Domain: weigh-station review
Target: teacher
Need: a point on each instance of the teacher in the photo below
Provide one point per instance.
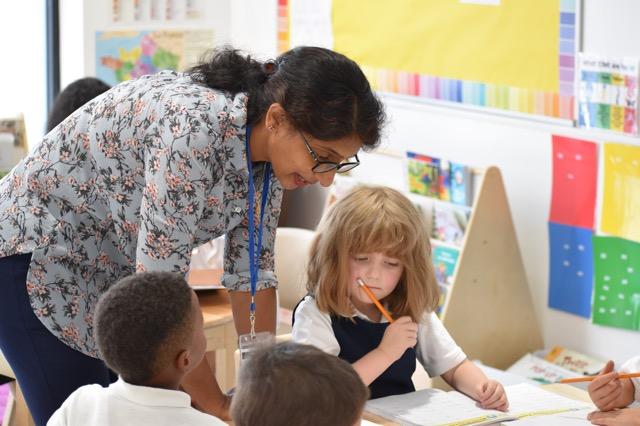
(138, 177)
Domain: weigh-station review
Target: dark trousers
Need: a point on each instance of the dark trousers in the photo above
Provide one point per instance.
(47, 370)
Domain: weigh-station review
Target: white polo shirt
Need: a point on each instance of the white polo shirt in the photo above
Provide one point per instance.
(436, 349)
(632, 366)
(122, 404)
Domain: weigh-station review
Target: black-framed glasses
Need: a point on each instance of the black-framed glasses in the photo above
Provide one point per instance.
(327, 166)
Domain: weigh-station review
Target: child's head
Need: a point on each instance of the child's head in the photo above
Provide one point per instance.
(73, 97)
(291, 383)
(374, 233)
(150, 329)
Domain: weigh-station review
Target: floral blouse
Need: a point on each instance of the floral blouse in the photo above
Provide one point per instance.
(133, 181)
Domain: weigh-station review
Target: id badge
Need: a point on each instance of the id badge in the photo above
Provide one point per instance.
(247, 343)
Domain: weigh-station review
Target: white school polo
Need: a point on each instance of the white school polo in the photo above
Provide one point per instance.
(633, 366)
(436, 349)
(123, 404)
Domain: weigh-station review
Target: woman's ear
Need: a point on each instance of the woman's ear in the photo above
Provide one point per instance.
(275, 117)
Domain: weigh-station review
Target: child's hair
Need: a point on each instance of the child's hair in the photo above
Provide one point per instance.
(296, 384)
(142, 322)
(73, 97)
(373, 219)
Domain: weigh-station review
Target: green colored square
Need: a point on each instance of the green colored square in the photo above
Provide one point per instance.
(617, 282)
(603, 116)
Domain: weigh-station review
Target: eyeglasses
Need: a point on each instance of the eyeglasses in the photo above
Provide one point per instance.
(327, 166)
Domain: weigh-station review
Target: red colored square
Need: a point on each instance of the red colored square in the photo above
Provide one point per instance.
(575, 172)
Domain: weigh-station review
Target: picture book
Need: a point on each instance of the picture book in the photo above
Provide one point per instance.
(444, 262)
(442, 301)
(424, 174)
(432, 407)
(449, 223)
(460, 184)
(537, 369)
(574, 361)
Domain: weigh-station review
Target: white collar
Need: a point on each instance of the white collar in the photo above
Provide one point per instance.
(153, 397)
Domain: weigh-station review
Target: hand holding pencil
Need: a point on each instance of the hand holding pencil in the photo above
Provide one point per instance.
(400, 335)
(607, 391)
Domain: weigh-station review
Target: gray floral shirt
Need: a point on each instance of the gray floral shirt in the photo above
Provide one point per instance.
(133, 181)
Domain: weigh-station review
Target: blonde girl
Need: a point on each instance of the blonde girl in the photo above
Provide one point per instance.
(377, 235)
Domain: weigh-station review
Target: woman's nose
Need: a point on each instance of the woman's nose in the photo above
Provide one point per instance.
(326, 179)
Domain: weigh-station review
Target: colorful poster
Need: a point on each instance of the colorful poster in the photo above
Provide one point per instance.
(573, 198)
(617, 282)
(123, 55)
(608, 93)
(621, 197)
(570, 269)
(510, 55)
(444, 263)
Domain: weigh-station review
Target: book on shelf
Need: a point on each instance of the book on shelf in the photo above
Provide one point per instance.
(444, 262)
(424, 174)
(449, 223)
(441, 179)
(574, 361)
(432, 407)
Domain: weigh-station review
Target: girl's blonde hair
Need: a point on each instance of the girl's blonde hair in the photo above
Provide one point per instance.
(373, 219)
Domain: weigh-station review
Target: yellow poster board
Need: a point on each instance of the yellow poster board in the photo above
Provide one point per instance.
(621, 199)
(517, 55)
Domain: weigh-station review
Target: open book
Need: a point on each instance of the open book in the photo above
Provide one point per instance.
(432, 407)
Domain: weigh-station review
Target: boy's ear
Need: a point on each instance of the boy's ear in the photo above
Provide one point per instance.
(183, 361)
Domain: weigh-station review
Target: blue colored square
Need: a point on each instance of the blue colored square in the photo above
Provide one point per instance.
(570, 269)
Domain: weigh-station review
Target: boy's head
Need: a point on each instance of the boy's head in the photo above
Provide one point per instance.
(290, 383)
(150, 329)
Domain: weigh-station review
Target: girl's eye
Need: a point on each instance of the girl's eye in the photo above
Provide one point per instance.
(393, 264)
(361, 258)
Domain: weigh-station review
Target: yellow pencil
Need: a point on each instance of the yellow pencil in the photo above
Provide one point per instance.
(590, 378)
(374, 300)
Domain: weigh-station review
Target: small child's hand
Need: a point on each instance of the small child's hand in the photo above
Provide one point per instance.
(399, 336)
(606, 389)
(491, 396)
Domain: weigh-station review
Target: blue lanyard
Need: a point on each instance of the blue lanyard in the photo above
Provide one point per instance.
(254, 264)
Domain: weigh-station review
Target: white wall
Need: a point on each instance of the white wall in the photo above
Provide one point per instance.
(23, 71)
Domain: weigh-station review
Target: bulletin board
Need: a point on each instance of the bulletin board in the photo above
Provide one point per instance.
(510, 55)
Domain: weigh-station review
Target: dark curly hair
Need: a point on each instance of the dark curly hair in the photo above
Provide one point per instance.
(324, 93)
(142, 322)
(73, 97)
(296, 384)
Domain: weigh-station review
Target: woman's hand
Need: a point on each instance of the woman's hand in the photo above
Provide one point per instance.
(491, 395)
(399, 336)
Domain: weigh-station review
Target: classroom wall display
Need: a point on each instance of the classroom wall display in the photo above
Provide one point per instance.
(123, 55)
(575, 166)
(511, 55)
(621, 197)
(608, 93)
(128, 11)
(617, 282)
(570, 269)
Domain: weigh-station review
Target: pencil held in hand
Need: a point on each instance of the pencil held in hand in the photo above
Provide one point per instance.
(374, 300)
(590, 378)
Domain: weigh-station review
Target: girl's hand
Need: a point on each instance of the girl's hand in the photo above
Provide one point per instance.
(399, 336)
(606, 389)
(491, 395)
(624, 417)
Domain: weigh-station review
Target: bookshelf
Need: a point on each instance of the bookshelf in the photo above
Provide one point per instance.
(489, 309)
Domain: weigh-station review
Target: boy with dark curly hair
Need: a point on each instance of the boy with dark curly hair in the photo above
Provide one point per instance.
(150, 331)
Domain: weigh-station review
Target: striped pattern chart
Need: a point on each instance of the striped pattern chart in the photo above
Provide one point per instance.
(550, 104)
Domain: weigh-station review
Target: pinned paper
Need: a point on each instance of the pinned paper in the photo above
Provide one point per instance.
(575, 166)
(571, 269)
(617, 282)
(621, 198)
